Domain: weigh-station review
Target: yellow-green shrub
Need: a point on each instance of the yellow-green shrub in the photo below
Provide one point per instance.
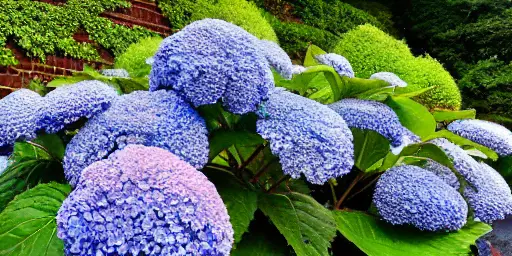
(134, 58)
(371, 50)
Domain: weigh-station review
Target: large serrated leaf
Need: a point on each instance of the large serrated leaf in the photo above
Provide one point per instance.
(259, 244)
(369, 147)
(377, 238)
(413, 115)
(240, 201)
(28, 222)
(447, 115)
(307, 226)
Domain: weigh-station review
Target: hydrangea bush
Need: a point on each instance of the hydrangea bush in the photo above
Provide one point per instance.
(220, 157)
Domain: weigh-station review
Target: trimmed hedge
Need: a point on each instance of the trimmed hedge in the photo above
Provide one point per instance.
(134, 58)
(239, 12)
(371, 50)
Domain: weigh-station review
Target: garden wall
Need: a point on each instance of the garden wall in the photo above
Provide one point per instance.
(142, 13)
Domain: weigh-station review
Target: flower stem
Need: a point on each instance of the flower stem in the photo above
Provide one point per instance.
(365, 187)
(281, 180)
(252, 157)
(333, 192)
(350, 187)
(262, 171)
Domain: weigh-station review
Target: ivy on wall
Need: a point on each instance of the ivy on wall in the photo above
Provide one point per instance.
(43, 29)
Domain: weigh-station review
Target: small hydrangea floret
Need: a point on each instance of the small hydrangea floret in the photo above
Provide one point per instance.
(410, 195)
(144, 201)
(19, 117)
(277, 58)
(338, 62)
(308, 137)
(489, 134)
(443, 172)
(161, 119)
(375, 116)
(4, 162)
(118, 72)
(211, 60)
(68, 104)
(389, 77)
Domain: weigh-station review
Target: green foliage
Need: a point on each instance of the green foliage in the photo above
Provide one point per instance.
(378, 10)
(295, 38)
(369, 148)
(239, 12)
(7, 58)
(377, 238)
(463, 142)
(413, 116)
(307, 226)
(370, 50)
(447, 116)
(28, 222)
(43, 29)
(134, 58)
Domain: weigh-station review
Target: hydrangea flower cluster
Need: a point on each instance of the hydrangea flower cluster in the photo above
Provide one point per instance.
(211, 60)
(119, 72)
(410, 195)
(18, 120)
(4, 162)
(308, 137)
(389, 77)
(338, 62)
(144, 201)
(277, 58)
(67, 104)
(161, 119)
(376, 116)
(442, 172)
(489, 134)
(488, 193)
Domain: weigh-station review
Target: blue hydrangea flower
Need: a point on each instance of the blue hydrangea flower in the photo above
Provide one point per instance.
(308, 137)
(389, 77)
(68, 104)
(144, 201)
(442, 172)
(491, 135)
(376, 116)
(338, 62)
(488, 193)
(211, 60)
(19, 117)
(161, 119)
(119, 72)
(297, 69)
(4, 162)
(484, 247)
(277, 58)
(410, 195)
(490, 198)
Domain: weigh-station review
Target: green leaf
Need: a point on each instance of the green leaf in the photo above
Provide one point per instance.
(447, 116)
(53, 144)
(377, 238)
(505, 168)
(239, 200)
(409, 94)
(369, 147)
(337, 84)
(128, 85)
(28, 222)
(413, 115)
(259, 244)
(355, 86)
(307, 226)
(220, 140)
(58, 82)
(463, 142)
(417, 151)
(312, 51)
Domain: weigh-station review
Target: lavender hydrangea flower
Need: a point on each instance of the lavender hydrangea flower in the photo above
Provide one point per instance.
(277, 58)
(489, 134)
(338, 62)
(144, 201)
(442, 172)
(308, 137)
(488, 193)
(161, 119)
(298, 69)
(68, 104)
(119, 72)
(410, 195)
(389, 77)
(376, 116)
(491, 198)
(4, 162)
(19, 117)
(211, 60)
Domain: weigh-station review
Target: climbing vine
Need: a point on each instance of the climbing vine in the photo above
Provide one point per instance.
(43, 29)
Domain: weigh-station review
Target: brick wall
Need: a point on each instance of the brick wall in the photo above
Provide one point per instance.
(141, 13)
